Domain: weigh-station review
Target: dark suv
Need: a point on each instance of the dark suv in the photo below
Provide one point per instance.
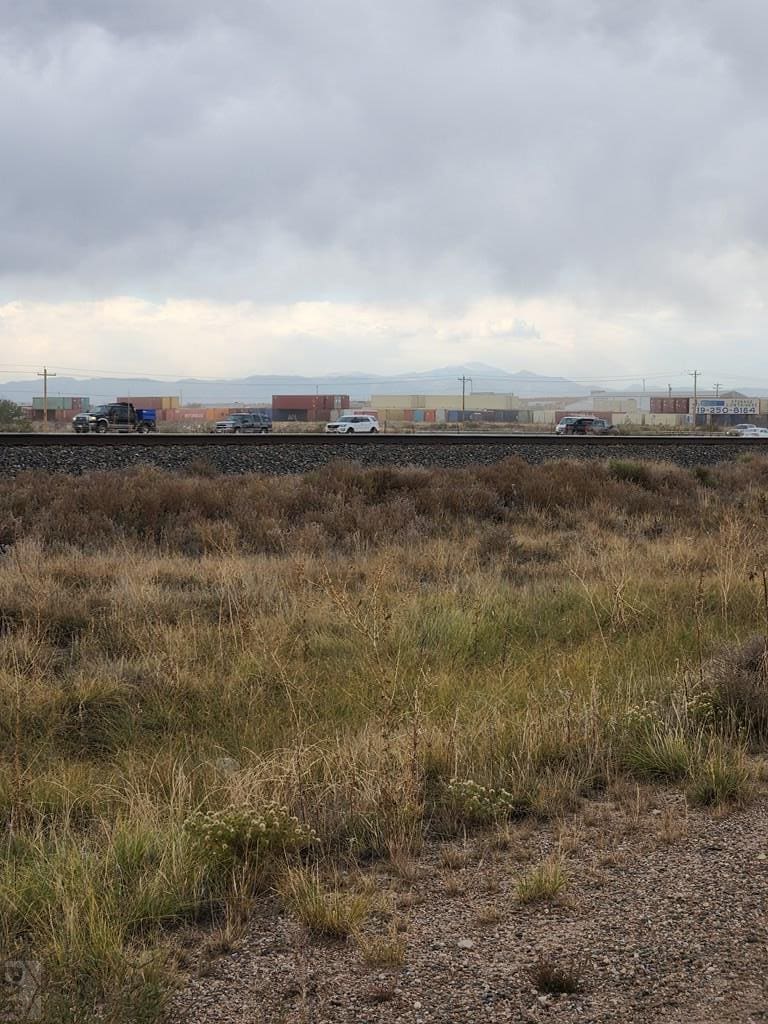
(590, 425)
(245, 423)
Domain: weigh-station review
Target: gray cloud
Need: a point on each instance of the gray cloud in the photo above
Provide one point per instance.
(353, 150)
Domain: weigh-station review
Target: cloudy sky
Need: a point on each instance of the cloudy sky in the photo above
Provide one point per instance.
(565, 186)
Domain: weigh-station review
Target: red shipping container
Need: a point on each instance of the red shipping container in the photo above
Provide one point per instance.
(310, 402)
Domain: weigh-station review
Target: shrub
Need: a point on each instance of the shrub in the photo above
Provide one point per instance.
(703, 475)
(631, 472)
(464, 803)
(738, 684)
(242, 835)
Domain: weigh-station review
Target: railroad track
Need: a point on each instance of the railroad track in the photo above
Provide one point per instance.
(417, 439)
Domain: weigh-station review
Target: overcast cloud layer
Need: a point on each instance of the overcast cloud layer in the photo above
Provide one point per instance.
(295, 185)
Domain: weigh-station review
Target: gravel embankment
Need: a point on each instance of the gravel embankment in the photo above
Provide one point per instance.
(665, 913)
(300, 458)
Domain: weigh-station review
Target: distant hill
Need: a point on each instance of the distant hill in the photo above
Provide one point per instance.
(259, 388)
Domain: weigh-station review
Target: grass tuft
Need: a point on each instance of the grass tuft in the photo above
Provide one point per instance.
(327, 912)
(557, 979)
(660, 755)
(723, 777)
(382, 950)
(547, 880)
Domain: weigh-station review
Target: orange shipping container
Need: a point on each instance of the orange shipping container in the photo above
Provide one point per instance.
(151, 401)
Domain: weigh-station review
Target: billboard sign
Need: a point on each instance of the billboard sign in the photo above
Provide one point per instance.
(728, 406)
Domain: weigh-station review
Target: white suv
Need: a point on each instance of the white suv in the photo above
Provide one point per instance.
(353, 423)
(566, 421)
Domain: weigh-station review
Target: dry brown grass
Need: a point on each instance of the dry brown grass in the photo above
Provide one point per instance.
(390, 654)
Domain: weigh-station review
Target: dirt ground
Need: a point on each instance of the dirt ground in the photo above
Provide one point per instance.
(663, 920)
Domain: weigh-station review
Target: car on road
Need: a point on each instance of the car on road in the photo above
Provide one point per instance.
(564, 423)
(588, 425)
(117, 417)
(750, 430)
(353, 423)
(244, 423)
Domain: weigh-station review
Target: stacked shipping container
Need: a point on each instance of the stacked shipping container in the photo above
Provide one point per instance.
(308, 408)
(62, 402)
(679, 406)
(153, 402)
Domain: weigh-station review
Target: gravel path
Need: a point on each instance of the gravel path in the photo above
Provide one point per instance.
(664, 916)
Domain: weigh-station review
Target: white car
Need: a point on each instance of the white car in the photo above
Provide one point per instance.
(744, 430)
(353, 423)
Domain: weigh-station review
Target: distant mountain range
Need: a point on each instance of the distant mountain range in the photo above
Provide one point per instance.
(259, 388)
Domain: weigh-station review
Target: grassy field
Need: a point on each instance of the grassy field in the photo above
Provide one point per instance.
(213, 686)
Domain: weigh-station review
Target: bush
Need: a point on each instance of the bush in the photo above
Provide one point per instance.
(242, 835)
(463, 803)
(631, 472)
(738, 683)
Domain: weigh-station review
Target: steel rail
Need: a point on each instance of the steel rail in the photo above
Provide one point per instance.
(62, 440)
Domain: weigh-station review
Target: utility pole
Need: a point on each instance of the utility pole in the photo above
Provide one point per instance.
(45, 375)
(717, 390)
(695, 374)
(669, 390)
(464, 380)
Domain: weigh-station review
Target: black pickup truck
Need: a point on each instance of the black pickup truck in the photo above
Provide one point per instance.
(117, 417)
